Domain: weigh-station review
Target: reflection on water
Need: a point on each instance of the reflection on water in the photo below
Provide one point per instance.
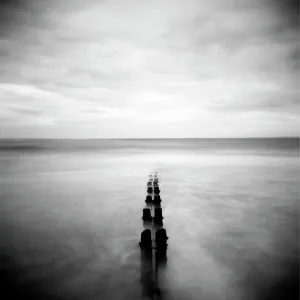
(70, 223)
(146, 276)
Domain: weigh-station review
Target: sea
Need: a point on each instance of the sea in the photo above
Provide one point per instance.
(71, 218)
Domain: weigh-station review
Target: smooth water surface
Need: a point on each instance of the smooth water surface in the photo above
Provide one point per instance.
(70, 218)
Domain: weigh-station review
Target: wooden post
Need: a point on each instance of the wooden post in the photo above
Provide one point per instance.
(148, 237)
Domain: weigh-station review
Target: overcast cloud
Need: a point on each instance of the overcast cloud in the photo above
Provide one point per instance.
(137, 68)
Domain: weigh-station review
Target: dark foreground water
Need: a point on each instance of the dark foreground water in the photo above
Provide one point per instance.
(70, 218)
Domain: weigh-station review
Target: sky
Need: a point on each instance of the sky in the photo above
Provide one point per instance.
(149, 69)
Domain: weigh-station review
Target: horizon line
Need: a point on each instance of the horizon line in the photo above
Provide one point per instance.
(153, 138)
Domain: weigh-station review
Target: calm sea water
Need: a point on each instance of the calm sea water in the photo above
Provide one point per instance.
(70, 218)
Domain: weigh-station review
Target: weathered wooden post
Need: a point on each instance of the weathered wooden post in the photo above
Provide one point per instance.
(157, 199)
(147, 214)
(158, 218)
(148, 199)
(161, 242)
(150, 189)
(156, 190)
(146, 241)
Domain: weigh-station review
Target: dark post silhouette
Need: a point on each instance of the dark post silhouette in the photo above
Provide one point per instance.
(148, 199)
(150, 189)
(158, 216)
(157, 199)
(147, 214)
(161, 242)
(156, 190)
(146, 242)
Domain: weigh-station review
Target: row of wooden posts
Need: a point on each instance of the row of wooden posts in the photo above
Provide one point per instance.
(154, 241)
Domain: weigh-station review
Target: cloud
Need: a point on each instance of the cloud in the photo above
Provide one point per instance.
(27, 111)
(113, 64)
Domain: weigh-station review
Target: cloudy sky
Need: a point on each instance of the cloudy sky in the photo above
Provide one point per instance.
(159, 68)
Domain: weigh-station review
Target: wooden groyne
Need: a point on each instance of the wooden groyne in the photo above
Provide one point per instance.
(154, 241)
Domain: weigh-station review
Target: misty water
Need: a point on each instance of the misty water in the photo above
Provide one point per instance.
(70, 218)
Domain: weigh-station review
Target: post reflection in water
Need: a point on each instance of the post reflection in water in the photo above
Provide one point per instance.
(146, 269)
(146, 276)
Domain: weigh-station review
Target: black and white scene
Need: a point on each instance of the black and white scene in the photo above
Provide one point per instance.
(149, 149)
